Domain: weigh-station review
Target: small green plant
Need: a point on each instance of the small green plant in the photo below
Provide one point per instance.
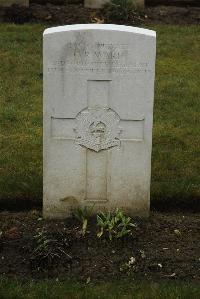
(48, 247)
(83, 215)
(116, 225)
(121, 12)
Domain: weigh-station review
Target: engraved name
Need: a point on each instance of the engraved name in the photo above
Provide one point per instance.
(98, 58)
(80, 53)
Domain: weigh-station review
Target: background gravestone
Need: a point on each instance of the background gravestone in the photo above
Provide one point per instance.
(100, 3)
(98, 113)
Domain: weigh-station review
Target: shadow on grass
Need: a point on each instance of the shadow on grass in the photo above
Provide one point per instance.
(19, 205)
(191, 205)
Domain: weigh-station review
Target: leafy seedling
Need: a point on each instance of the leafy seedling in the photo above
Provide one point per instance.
(116, 225)
(83, 215)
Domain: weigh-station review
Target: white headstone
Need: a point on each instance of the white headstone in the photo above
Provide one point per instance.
(98, 113)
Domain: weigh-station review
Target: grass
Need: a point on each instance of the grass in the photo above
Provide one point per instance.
(68, 290)
(175, 159)
(176, 142)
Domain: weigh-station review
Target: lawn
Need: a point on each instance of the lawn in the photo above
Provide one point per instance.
(133, 290)
(176, 151)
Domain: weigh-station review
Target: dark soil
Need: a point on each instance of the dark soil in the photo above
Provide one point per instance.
(165, 246)
(77, 13)
(172, 15)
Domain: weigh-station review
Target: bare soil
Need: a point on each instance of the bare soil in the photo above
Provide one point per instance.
(77, 13)
(164, 246)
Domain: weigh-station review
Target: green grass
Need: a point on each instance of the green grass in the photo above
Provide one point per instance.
(176, 150)
(176, 141)
(68, 290)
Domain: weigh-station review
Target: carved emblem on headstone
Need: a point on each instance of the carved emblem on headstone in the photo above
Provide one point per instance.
(98, 128)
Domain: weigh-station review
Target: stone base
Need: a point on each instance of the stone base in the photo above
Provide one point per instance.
(7, 3)
(100, 3)
(63, 211)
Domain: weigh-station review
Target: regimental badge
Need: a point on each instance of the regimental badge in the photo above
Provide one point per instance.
(97, 128)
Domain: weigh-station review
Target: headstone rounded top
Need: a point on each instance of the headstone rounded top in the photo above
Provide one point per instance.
(108, 27)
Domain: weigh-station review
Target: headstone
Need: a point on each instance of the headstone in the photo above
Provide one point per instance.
(100, 3)
(98, 113)
(8, 3)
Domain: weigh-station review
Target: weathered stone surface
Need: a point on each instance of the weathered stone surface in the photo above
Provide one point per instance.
(100, 3)
(98, 113)
(8, 3)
